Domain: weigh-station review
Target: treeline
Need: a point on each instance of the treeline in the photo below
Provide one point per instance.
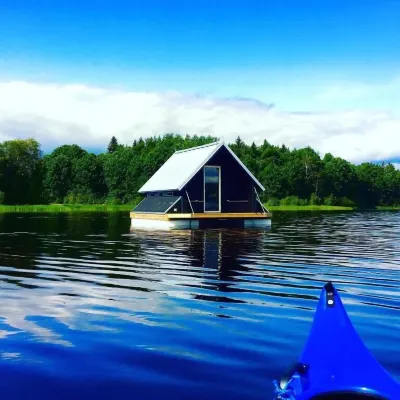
(71, 175)
(301, 177)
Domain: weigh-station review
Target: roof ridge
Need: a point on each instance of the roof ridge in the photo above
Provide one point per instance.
(198, 147)
(179, 169)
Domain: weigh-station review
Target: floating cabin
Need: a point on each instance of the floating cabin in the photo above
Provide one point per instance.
(201, 187)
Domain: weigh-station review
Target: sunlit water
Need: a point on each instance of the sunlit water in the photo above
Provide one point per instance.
(89, 309)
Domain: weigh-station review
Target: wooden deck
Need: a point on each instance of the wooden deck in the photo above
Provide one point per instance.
(170, 217)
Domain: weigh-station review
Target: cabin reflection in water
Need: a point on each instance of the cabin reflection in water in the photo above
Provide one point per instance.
(211, 259)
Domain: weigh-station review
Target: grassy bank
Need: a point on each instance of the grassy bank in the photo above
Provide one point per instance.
(127, 207)
(64, 208)
(70, 208)
(326, 208)
(309, 208)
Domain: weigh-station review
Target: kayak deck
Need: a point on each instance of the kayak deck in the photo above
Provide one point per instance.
(335, 363)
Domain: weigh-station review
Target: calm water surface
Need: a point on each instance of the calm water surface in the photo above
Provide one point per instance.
(91, 310)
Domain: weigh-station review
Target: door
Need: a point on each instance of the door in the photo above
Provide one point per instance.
(212, 189)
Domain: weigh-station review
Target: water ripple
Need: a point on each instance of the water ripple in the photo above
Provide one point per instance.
(91, 309)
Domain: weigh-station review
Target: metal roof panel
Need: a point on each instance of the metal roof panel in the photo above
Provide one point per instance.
(183, 165)
(180, 168)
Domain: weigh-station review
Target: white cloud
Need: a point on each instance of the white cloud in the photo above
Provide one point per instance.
(397, 166)
(88, 116)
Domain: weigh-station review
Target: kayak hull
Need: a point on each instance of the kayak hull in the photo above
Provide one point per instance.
(335, 359)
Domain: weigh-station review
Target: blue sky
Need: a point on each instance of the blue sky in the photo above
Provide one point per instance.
(309, 55)
(122, 42)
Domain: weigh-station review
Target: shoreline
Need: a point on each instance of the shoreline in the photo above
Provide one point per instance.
(310, 208)
(330, 208)
(66, 208)
(75, 208)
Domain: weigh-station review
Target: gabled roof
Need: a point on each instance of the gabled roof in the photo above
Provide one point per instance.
(183, 165)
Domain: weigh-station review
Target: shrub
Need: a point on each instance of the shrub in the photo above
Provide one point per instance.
(346, 202)
(315, 200)
(113, 201)
(294, 201)
(303, 202)
(330, 200)
(69, 198)
(76, 197)
(290, 201)
(273, 202)
(2, 197)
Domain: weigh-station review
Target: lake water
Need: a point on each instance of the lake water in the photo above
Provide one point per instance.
(89, 309)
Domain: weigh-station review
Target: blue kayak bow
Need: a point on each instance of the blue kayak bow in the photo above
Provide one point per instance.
(335, 363)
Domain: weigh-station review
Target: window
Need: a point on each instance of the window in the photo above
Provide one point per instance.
(212, 189)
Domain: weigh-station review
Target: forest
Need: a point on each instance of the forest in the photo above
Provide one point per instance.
(72, 175)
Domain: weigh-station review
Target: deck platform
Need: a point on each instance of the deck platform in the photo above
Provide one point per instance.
(199, 220)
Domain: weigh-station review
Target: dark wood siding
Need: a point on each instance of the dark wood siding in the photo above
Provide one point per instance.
(195, 191)
(237, 188)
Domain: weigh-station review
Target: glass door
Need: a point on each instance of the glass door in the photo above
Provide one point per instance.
(212, 189)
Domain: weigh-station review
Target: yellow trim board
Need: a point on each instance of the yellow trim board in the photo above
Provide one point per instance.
(163, 217)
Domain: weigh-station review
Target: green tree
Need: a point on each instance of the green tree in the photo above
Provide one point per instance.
(20, 171)
(120, 180)
(368, 191)
(303, 170)
(113, 145)
(271, 172)
(88, 176)
(340, 177)
(71, 171)
(71, 151)
(58, 177)
(389, 185)
(239, 147)
(296, 176)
